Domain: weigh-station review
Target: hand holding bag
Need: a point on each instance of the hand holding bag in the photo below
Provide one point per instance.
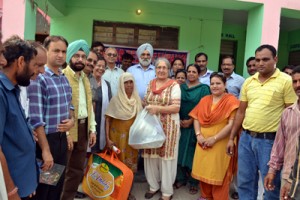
(146, 132)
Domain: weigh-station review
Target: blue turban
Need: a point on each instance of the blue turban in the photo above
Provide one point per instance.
(76, 46)
(144, 47)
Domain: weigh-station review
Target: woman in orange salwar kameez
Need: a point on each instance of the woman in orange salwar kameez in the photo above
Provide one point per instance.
(213, 119)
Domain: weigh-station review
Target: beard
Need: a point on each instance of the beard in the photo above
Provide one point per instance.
(23, 79)
(144, 62)
(77, 66)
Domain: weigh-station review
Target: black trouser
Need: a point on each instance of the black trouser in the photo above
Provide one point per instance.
(58, 147)
(76, 163)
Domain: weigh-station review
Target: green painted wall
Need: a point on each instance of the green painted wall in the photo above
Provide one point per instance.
(30, 21)
(253, 35)
(200, 28)
(283, 52)
(239, 34)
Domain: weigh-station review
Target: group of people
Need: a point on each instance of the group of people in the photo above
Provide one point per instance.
(57, 112)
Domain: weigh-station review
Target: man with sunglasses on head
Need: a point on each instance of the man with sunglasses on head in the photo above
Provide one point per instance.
(112, 72)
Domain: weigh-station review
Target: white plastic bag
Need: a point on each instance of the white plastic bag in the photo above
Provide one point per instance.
(146, 132)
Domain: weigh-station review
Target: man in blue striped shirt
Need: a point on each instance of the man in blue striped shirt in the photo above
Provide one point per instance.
(50, 114)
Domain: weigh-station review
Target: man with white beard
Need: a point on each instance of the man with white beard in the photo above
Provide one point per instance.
(143, 72)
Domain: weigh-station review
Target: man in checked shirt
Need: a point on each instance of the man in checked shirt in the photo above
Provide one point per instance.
(283, 153)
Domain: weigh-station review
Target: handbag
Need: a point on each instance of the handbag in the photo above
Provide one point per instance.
(107, 178)
(146, 132)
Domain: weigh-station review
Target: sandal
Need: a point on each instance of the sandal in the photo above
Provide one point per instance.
(150, 194)
(193, 190)
(178, 185)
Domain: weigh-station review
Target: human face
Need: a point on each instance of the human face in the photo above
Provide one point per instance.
(227, 67)
(192, 74)
(99, 50)
(128, 87)
(265, 62)
(41, 60)
(3, 61)
(126, 63)
(251, 67)
(162, 70)
(145, 58)
(296, 83)
(56, 54)
(26, 72)
(91, 61)
(288, 71)
(99, 69)
(77, 62)
(111, 56)
(180, 78)
(177, 65)
(217, 86)
(202, 62)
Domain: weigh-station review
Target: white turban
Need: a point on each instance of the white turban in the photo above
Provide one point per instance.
(144, 47)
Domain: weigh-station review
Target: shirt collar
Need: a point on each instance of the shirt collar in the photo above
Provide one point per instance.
(207, 73)
(149, 67)
(115, 67)
(274, 75)
(51, 73)
(6, 82)
(233, 75)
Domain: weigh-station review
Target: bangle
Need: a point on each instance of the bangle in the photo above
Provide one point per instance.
(14, 191)
(67, 133)
(198, 133)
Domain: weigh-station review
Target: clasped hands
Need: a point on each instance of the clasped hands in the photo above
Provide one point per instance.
(205, 143)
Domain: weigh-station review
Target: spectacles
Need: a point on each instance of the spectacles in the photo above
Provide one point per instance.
(77, 56)
(112, 55)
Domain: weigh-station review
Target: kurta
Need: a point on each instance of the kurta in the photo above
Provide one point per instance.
(213, 161)
(170, 122)
(190, 97)
(119, 134)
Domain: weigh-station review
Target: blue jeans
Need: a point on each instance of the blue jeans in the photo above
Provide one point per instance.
(254, 155)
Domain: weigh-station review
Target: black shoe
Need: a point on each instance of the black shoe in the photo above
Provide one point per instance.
(150, 194)
(80, 195)
(235, 195)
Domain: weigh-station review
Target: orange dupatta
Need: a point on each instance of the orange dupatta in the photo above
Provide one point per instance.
(158, 91)
(206, 116)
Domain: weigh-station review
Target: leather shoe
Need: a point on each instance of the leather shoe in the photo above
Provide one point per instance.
(235, 195)
(150, 194)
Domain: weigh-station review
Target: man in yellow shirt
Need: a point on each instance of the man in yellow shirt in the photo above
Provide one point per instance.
(263, 98)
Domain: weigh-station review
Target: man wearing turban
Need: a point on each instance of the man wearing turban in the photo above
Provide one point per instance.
(84, 128)
(144, 71)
